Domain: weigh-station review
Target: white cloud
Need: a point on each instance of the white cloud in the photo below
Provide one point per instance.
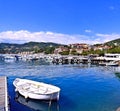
(88, 31)
(112, 8)
(107, 37)
(23, 36)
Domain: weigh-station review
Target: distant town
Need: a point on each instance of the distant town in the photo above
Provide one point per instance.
(54, 48)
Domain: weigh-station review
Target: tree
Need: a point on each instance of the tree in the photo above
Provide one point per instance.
(64, 53)
(74, 52)
(49, 50)
(38, 50)
(114, 50)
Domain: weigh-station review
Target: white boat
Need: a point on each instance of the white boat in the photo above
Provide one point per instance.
(36, 90)
(112, 63)
(110, 57)
(9, 58)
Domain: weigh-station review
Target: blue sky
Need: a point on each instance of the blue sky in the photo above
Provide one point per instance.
(60, 21)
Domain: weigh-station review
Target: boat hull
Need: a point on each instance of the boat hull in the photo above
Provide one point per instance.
(54, 96)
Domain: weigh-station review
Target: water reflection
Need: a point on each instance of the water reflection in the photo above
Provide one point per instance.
(117, 74)
(110, 69)
(37, 105)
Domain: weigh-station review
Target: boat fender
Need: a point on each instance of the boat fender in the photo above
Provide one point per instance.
(75, 60)
(60, 60)
(78, 61)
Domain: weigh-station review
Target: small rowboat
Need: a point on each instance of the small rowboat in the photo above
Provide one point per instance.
(36, 90)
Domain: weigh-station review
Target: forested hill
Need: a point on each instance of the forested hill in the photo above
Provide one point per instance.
(30, 46)
(115, 42)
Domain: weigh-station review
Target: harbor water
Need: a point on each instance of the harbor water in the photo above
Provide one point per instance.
(84, 87)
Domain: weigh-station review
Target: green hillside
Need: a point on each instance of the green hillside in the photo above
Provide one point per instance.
(115, 42)
(30, 46)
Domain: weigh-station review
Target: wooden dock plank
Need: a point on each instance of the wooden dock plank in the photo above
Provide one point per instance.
(3, 94)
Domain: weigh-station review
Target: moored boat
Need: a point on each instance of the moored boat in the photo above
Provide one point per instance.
(112, 63)
(36, 90)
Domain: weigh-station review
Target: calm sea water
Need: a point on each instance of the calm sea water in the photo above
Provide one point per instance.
(83, 87)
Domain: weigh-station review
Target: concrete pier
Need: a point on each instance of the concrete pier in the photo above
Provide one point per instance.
(3, 94)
